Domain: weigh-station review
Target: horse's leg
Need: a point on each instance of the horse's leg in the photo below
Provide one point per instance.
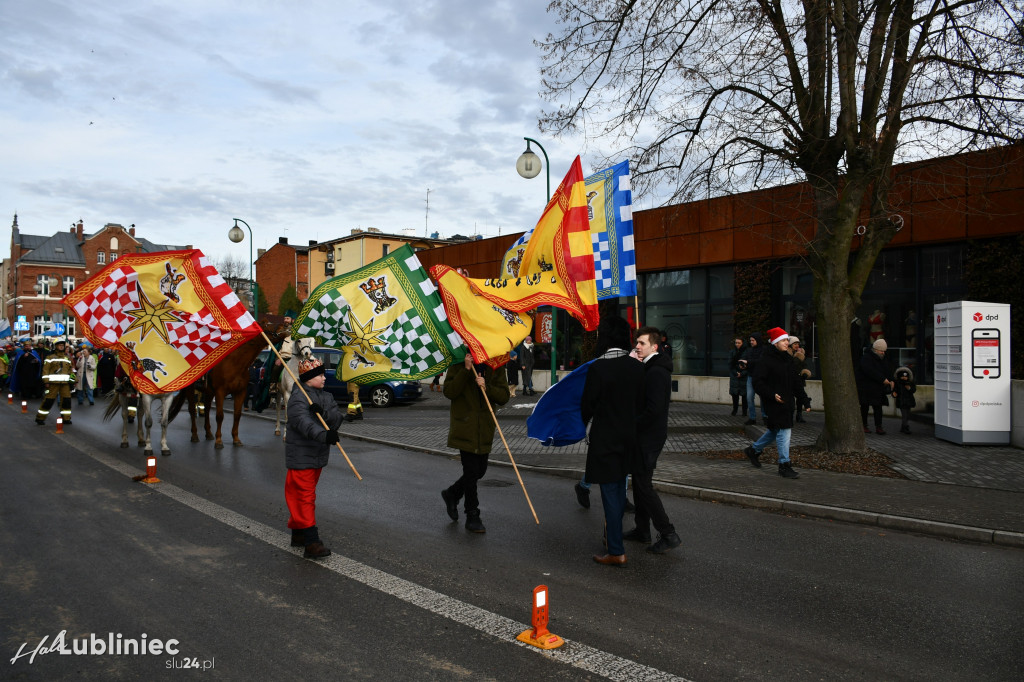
(191, 400)
(164, 449)
(123, 402)
(219, 443)
(238, 417)
(208, 400)
(277, 409)
(147, 409)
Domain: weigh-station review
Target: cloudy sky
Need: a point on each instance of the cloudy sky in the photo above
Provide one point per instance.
(305, 118)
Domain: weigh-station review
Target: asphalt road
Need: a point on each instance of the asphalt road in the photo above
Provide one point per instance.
(202, 558)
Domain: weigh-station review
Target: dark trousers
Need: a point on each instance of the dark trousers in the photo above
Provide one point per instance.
(736, 399)
(648, 505)
(474, 467)
(613, 499)
(864, 415)
(905, 415)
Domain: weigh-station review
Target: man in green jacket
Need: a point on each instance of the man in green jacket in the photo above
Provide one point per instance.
(471, 430)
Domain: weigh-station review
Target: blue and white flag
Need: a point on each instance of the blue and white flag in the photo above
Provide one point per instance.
(556, 418)
(610, 206)
(610, 210)
(5, 328)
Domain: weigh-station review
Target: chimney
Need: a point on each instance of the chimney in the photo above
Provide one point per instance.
(259, 253)
(79, 228)
(282, 240)
(312, 242)
(131, 230)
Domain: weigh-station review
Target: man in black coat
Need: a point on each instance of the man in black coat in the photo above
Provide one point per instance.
(652, 429)
(776, 380)
(612, 399)
(873, 384)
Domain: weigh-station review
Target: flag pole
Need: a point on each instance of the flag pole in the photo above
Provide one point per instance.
(514, 467)
(308, 399)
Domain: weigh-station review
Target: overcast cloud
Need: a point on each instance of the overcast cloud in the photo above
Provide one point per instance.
(305, 119)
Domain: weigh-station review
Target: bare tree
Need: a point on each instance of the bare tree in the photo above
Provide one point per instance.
(235, 272)
(712, 96)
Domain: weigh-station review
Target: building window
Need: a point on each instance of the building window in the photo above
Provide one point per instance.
(43, 282)
(113, 245)
(113, 256)
(387, 248)
(69, 285)
(101, 257)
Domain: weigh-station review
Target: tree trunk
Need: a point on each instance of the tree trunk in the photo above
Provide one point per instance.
(842, 433)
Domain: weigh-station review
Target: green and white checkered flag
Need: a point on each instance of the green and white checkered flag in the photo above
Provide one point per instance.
(386, 317)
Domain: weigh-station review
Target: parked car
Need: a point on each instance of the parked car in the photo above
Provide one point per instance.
(383, 394)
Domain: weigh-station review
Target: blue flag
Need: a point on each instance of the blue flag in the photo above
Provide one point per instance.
(610, 208)
(5, 328)
(556, 419)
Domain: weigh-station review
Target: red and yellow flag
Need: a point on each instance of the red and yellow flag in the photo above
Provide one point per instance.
(169, 315)
(488, 330)
(555, 267)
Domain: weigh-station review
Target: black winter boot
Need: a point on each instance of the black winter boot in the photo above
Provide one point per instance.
(298, 537)
(314, 547)
(451, 503)
(786, 470)
(473, 522)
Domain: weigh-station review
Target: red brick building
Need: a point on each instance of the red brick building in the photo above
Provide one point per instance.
(68, 258)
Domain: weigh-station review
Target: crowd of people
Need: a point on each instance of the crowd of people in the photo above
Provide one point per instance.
(776, 375)
(24, 371)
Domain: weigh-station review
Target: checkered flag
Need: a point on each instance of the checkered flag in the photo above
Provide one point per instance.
(386, 318)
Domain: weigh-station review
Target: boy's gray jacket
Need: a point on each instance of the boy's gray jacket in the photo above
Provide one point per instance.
(305, 444)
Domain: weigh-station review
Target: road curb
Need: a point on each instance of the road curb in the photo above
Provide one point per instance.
(774, 504)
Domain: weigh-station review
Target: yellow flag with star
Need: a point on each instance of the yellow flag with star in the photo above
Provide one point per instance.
(169, 315)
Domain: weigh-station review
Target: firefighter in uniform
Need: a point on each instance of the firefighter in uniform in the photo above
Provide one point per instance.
(58, 378)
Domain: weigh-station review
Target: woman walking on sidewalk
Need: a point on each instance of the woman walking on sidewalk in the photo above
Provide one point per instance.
(738, 376)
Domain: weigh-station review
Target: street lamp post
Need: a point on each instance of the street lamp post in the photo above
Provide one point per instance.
(528, 166)
(236, 235)
(43, 287)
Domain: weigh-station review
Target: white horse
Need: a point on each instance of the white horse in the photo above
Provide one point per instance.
(302, 349)
(122, 402)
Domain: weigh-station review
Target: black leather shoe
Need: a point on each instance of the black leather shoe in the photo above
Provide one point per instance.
(636, 535)
(583, 496)
(665, 543)
(451, 504)
(630, 507)
(749, 422)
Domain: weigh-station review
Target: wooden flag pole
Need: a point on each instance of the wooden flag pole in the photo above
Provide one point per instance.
(309, 400)
(523, 485)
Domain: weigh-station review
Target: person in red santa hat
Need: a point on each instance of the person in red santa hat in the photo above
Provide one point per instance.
(777, 380)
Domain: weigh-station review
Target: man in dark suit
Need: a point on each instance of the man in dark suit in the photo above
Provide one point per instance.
(612, 399)
(652, 429)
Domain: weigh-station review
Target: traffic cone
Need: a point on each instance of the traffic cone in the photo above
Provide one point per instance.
(60, 425)
(24, 407)
(150, 476)
(538, 635)
(10, 398)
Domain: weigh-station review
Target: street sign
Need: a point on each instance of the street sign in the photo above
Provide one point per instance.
(21, 325)
(59, 328)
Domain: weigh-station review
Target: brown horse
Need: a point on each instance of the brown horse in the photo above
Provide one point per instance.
(229, 376)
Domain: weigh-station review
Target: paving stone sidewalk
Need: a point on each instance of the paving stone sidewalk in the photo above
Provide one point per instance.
(965, 492)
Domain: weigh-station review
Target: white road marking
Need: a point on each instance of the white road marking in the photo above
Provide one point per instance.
(505, 629)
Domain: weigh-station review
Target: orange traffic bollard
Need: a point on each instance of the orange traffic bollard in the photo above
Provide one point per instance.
(24, 407)
(10, 398)
(150, 476)
(60, 425)
(538, 635)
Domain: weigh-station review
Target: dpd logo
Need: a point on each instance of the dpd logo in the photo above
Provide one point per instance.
(978, 317)
(939, 319)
